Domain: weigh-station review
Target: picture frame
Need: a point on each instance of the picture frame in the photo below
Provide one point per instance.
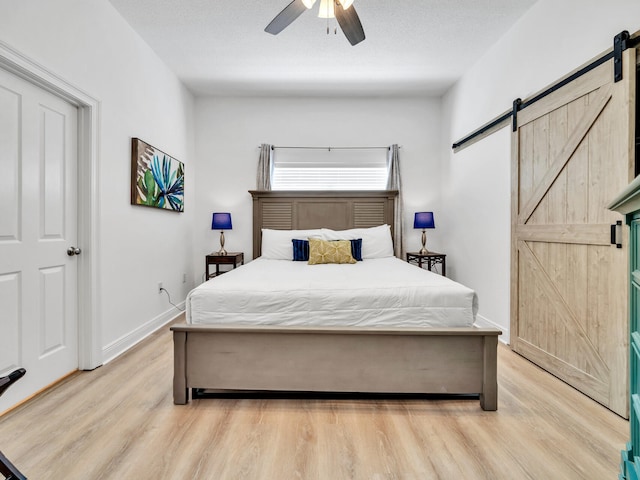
(157, 179)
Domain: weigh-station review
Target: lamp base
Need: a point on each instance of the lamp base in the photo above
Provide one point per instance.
(222, 251)
(423, 250)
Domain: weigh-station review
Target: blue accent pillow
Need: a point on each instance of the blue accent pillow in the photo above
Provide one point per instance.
(356, 249)
(301, 250)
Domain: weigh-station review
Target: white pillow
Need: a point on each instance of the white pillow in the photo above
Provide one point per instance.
(376, 241)
(277, 244)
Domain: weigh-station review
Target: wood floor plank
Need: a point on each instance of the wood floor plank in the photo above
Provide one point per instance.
(119, 422)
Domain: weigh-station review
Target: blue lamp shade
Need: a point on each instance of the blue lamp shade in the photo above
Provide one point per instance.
(424, 220)
(221, 221)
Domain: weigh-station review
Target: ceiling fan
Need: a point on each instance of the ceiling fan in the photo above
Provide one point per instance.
(342, 10)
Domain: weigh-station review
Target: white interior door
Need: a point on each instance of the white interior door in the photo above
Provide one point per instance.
(38, 224)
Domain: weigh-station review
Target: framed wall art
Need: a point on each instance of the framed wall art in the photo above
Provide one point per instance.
(157, 179)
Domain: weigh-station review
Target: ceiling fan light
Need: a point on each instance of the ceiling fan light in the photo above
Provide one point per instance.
(326, 9)
(309, 3)
(346, 3)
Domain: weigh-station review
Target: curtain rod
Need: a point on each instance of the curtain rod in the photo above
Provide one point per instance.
(273, 147)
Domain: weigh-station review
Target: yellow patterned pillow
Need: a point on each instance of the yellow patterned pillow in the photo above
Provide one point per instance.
(322, 251)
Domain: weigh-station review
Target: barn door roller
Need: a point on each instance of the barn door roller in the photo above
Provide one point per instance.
(517, 105)
(620, 44)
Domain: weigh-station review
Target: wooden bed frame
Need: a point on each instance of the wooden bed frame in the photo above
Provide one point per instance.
(347, 359)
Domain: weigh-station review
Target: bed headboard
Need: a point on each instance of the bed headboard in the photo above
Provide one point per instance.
(338, 210)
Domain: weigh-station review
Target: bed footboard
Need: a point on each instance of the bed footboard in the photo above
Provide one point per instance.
(439, 361)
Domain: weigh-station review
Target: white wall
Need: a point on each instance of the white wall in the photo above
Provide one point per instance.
(229, 131)
(87, 43)
(550, 40)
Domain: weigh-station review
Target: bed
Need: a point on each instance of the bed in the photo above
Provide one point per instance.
(301, 344)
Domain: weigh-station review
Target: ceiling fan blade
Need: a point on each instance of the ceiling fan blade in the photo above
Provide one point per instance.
(285, 17)
(349, 23)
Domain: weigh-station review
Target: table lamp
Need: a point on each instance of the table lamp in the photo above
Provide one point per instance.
(222, 222)
(424, 220)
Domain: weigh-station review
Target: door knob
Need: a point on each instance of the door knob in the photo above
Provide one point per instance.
(71, 251)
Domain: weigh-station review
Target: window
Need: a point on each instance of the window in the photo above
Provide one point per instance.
(329, 169)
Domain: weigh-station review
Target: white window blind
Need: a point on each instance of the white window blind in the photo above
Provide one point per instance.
(329, 169)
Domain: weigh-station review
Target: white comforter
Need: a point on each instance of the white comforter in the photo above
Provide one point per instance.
(384, 292)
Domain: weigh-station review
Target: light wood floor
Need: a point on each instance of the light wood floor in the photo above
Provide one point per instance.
(119, 422)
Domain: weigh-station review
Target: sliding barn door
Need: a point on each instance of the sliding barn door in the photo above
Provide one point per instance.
(572, 154)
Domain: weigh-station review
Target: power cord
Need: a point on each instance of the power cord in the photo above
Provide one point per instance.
(162, 289)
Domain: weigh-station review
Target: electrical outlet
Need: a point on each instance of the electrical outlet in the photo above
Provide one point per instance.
(184, 278)
(159, 287)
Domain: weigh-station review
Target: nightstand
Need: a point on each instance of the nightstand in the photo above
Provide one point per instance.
(429, 259)
(231, 258)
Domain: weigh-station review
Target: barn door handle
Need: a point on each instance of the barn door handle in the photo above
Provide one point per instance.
(615, 228)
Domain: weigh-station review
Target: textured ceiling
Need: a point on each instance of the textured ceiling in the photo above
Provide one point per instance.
(412, 46)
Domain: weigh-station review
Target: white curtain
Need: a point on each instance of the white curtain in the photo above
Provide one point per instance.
(393, 183)
(265, 167)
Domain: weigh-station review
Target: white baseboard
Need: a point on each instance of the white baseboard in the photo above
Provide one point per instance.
(486, 323)
(124, 343)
